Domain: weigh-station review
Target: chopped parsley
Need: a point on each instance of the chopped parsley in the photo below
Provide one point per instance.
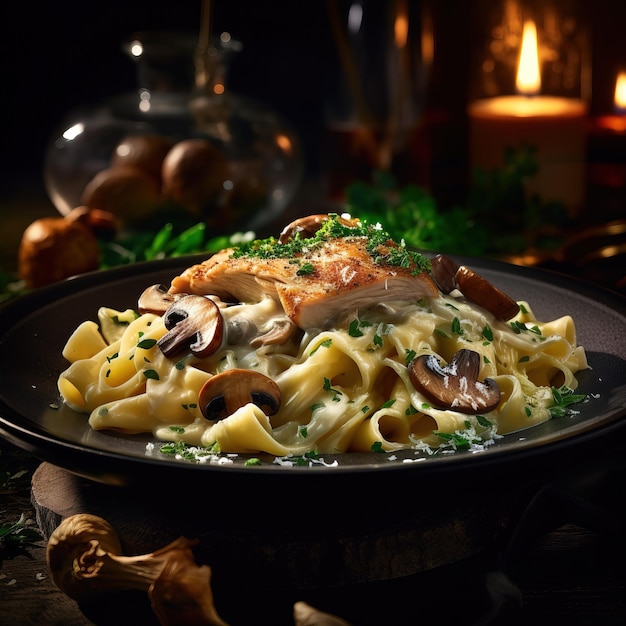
(354, 330)
(118, 321)
(328, 387)
(564, 397)
(459, 440)
(380, 245)
(146, 344)
(324, 344)
(409, 355)
(483, 421)
(456, 327)
(305, 459)
(381, 331)
(184, 451)
(305, 269)
(518, 327)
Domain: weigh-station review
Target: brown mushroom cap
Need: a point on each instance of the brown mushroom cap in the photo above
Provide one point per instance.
(224, 393)
(456, 385)
(75, 547)
(195, 323)
(126, 192)
(55, 248)
(157, 299)
(444, 268)
(97, 220)
(280, 332)
(193, 174)
(306, 227)
(479, 290)
(449, 276)
(145, 152)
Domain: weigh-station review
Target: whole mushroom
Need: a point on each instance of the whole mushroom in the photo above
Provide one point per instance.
(54, 248)
(193, 174)
(127, 192)
(85, 559)
(144, 152)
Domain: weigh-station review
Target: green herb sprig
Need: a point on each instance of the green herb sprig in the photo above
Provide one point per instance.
(564, 399)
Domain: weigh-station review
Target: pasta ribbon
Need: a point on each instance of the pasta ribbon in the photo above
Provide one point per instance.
(344, 388)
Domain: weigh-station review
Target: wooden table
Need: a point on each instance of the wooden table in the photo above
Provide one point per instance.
(572, 572)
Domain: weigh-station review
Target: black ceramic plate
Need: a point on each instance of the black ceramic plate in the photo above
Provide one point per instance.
(35, 328)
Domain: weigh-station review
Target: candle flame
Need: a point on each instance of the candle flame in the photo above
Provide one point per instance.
(620, 91)
(401, 26)
(528, 78)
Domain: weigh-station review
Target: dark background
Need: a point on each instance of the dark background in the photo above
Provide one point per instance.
(57, 56)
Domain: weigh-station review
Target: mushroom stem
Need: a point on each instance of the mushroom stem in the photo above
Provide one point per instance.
(306, 615)
(85, 560)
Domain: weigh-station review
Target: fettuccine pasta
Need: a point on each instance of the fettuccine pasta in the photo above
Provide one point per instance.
(344, 388)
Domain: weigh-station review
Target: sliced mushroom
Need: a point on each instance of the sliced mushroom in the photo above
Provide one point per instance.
(479, 290)
(194, 323)
(306, 227)
(456, 385)
(228, 391)
(444, 269)
(241, 330)
(449, 276)
(156, 299)
(279, 333)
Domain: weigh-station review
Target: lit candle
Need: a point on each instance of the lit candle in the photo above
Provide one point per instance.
(555, 126)
(614, 123)
(607, 157)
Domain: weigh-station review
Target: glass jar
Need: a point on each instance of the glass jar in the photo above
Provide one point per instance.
(182, 144)
(374, 107)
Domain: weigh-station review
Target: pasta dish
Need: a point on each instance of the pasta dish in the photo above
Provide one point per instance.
(332, 338)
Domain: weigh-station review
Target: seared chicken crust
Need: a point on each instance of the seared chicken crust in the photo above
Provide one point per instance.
(315, 285)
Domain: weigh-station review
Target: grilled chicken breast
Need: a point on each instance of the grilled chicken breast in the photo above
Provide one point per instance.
(316, 284)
